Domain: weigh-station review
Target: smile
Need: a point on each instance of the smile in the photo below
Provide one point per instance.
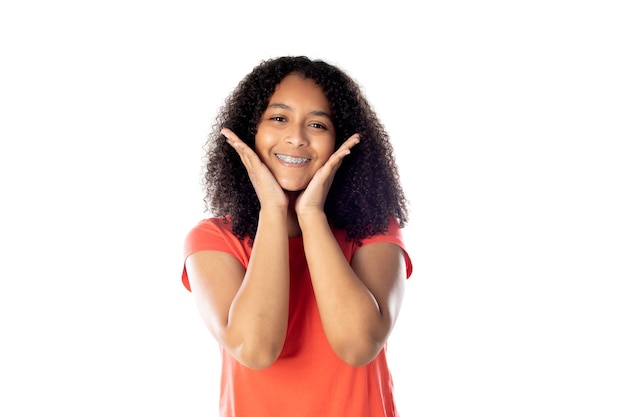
(291, 159)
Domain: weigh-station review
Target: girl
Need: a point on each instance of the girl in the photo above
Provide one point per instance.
(300, 273)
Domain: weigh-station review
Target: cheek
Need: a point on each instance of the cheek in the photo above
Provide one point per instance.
(327, 150)
(324, 157)
(263, 156)
(261, 145)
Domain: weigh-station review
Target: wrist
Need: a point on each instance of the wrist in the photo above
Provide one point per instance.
(311, 218)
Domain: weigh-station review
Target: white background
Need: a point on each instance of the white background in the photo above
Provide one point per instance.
(508, 120)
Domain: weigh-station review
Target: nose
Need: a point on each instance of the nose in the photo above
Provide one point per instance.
(296, 136)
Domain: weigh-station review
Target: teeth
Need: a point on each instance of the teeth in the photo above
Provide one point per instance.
(291, 159)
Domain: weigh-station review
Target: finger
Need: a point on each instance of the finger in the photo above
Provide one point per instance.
(229, 134)
(344, 149)
(246, 154)
(251, 161)
(351, 141)
(232, 139)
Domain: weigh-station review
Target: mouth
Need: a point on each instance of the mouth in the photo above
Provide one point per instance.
(292, 159)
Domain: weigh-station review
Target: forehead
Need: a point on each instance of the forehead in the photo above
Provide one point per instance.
(296, 89)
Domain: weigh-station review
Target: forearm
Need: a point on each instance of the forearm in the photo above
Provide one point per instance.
(259, 313)
(351, 315)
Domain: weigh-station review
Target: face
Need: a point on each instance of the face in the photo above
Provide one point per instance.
(296, 135)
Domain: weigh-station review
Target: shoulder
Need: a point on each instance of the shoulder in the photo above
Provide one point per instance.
(214, 233)
(212, 225)
(392, 235)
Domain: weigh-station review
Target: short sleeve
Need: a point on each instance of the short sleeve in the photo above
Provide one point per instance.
(213, 234)
(393, 235)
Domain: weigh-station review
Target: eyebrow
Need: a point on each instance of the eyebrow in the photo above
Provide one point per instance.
(286, 107)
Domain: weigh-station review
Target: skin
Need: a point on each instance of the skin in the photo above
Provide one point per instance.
(247, 310)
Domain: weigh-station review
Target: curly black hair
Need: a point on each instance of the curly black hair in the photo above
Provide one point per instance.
(366, 190)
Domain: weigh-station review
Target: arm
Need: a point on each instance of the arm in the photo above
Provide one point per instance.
(247, 310)
(358, 303)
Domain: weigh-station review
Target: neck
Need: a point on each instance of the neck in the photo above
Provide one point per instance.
(293, 227)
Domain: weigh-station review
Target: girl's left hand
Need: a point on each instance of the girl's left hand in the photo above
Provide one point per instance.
(312, 199)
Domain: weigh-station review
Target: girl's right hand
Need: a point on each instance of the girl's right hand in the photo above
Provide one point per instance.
(267, 188)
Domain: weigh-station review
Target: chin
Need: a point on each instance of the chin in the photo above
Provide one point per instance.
(291, 187)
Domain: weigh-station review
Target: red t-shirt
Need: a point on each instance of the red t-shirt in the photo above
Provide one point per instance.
(308, 379)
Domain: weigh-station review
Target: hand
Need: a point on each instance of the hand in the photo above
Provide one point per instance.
(312, 199)
(267, 188)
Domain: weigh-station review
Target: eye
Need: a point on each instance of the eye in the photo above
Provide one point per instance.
(317, 125)
(278, 118)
